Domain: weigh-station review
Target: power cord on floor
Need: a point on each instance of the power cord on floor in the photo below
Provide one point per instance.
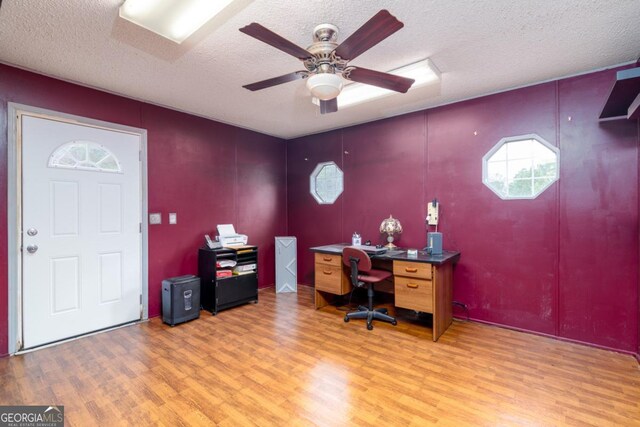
(464, 307)
(348, 306)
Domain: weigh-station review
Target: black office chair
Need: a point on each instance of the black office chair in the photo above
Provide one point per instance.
(362, 274)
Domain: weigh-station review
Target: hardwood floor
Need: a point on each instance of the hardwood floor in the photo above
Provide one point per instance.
(281, 362)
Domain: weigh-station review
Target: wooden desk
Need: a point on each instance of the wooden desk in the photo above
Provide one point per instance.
(423, 283)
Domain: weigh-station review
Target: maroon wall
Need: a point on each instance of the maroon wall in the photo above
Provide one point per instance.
(563, 264)
(599, 217)
(207, 172)
(509, 247)
(314, 224)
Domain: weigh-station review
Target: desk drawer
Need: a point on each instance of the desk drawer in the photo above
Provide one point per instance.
(420, 270)
(329, 279)
(414, 294)
(328, 259)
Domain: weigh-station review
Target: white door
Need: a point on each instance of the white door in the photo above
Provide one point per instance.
(81, 240)
(286, 264)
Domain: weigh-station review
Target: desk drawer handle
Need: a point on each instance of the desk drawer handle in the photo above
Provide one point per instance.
(412, 285)
(327, 258)
(410, 270)
(328, 272)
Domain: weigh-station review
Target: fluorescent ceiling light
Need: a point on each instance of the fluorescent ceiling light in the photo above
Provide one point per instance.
(423, 72)
(173, 19)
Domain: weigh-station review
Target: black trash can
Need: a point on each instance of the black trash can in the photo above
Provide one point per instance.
(180, 299)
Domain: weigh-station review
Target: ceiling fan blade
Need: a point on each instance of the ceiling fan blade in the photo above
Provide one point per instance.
(377, 78)
(269, 37)
(372, 32)
(330, 106)
(297, 75)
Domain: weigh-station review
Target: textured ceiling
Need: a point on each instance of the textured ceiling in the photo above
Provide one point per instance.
(479, 46)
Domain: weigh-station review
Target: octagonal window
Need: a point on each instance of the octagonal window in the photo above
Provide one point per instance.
(520, 167)
(326, 183)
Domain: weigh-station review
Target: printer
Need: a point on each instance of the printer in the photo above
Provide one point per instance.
(228, 237)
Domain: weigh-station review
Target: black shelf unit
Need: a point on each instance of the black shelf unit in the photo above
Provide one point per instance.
(219, 294)
(624, 97)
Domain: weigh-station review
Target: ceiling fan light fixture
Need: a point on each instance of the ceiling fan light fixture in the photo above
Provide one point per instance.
(325, 86)
(423, 72)
(174, 20)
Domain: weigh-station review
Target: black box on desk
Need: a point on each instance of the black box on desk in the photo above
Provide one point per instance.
(180, 299)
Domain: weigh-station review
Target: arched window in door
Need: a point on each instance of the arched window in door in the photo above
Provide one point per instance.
(84, 155)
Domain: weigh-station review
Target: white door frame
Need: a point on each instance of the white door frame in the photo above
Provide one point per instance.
(14, 208)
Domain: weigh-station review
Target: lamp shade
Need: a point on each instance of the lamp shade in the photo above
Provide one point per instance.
(324, 86)
(390, 226)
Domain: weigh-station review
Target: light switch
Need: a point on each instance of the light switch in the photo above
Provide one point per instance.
(155, 218)
(173, 218)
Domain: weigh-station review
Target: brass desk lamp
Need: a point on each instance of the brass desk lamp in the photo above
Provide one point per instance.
(390, 226)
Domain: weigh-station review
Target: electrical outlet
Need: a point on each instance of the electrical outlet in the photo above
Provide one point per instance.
(173, 218)
(432, 212)
(155, 218)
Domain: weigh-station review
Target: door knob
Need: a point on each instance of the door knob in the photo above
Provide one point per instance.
(32, 249)
(32, 232)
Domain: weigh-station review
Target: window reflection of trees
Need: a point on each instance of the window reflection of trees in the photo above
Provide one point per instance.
(520, 168)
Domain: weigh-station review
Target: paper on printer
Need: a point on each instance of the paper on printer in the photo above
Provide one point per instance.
(228, 236)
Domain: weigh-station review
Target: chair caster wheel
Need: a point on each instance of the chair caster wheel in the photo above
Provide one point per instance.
(369, 326)
(346, 319)
(394, 323)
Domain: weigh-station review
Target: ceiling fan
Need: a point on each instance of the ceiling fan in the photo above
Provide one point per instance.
(325, 61)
